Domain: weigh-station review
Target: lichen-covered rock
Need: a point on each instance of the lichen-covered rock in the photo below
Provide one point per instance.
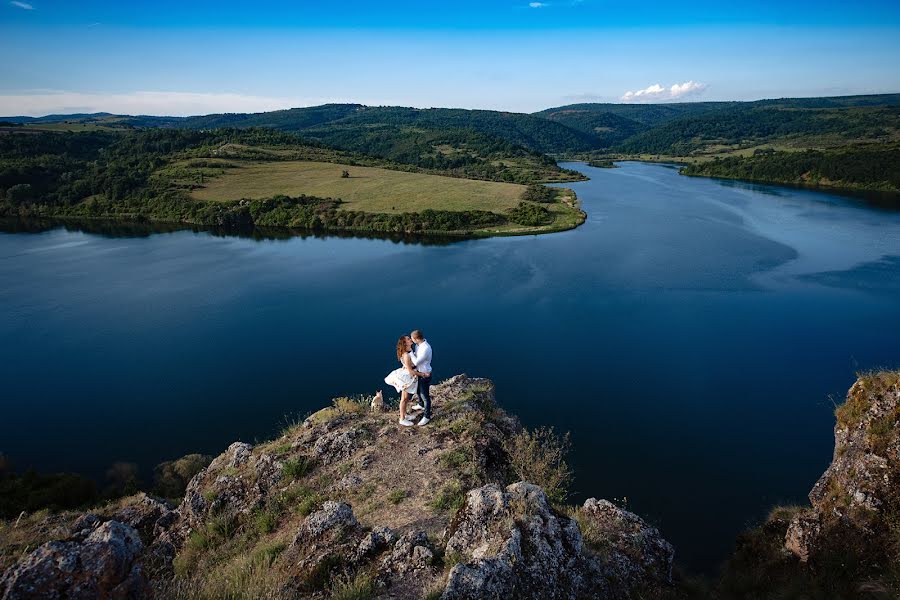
(325, 538)
(333, 515)
(633, 553)
(412, 552)
(104, 565)
(143, 513)
(235, 482)
(337, 445)
(856, 502)
(512, 544)
(374, 542)
(802, 534)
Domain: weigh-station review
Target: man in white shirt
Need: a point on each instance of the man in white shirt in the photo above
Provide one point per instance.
(422, 362)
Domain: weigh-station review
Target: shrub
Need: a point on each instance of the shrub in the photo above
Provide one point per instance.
(530, 214)
(537, 192)
(171, 478)
(539, 457)
(353, 406)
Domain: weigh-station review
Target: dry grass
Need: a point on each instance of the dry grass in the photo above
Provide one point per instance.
(852, 410)
(368, 189)
(539, 457)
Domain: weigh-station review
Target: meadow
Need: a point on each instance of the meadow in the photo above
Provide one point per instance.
(368, 189)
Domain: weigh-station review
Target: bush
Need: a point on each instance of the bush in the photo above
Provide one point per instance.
(530, 214)
(539, 457)
(33, 491)
(538, 193)
(353, 406)
(171, 477)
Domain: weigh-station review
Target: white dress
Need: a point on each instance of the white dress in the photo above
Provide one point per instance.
(400, 380)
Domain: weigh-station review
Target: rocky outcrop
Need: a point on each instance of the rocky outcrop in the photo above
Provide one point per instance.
(634, 554)
(512, 544)
(100, 562)
(856, 503)
(349, 498)
(235, 482)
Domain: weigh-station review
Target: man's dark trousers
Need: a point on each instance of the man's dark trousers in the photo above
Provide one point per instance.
(425, 394)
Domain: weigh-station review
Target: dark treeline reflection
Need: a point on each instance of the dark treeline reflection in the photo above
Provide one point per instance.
(881, 200)
(130, 229)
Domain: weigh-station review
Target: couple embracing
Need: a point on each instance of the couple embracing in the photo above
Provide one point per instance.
(413, 378)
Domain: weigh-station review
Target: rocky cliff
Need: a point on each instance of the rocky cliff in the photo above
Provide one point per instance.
(846, 544)
(349, 505)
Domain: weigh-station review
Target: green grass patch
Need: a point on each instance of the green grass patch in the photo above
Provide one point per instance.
(450, 498)
(369, 189)
(295, 468)
(360, 586)
(265, 522)
(455, 459)
(398, 496)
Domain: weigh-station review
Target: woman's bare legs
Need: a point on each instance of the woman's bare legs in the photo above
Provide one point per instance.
(404, 398)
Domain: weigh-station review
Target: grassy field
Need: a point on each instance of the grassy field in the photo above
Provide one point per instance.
(367, 189)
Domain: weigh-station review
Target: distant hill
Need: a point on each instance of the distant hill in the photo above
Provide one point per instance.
(683, 128)
(776, 125)
(426, 137)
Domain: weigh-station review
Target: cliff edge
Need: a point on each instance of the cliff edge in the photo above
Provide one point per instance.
(347, 504)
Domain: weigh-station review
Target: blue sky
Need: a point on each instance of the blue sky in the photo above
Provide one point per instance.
(198, 57)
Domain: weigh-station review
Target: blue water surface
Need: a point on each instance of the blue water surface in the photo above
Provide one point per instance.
(692, 335)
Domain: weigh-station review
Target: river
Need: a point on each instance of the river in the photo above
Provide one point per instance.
(692, 335)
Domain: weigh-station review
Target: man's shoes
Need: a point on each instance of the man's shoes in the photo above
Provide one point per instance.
(424, 421)
(418, 407)
(406, 422)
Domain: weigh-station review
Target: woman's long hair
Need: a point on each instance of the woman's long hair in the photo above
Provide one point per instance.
(401, 347)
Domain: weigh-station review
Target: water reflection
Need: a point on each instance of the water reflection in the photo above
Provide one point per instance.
(125, 229)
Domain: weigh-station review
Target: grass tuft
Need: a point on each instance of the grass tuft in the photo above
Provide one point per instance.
(295, 468)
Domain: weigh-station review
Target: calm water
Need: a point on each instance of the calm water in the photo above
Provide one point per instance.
(689, 335)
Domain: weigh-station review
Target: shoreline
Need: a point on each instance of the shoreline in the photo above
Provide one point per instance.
(570, 212)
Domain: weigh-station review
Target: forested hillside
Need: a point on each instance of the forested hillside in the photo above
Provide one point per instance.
(517, 148)
(155, 174)
(875, 168)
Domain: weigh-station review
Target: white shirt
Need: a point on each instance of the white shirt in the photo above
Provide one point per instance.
(422, 357)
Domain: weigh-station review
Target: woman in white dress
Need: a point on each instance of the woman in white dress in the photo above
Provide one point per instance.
(405, 379)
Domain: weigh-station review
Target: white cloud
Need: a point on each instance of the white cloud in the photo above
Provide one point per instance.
(144, 103)
(537, 4)
(24, 5)
(658, 93)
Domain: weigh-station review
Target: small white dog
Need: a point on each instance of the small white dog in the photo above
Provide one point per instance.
(378, 402)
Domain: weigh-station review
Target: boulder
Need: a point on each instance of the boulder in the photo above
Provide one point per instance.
(412, 552)
(332, 516)
(103, 565)
(374, 542)
(148, 515)
(235, 482)
(510, 543)
(336, 446)
(633, 553)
